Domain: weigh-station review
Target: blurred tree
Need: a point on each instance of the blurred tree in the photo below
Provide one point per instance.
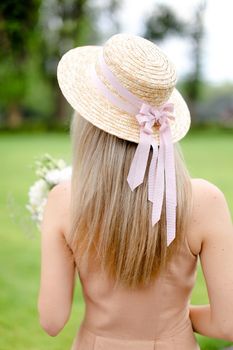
(66, 24)
(18, 21)
(33, 37)
(164, 22)
(196, 32)
(106, 17)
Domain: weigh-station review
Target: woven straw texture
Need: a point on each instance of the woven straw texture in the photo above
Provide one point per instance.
(140, 66)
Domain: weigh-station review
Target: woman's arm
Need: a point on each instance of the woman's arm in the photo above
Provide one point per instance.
(216, 256)
(203, 324)
(57, 264)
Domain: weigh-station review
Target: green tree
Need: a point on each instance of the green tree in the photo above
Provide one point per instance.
(18, 20)
(33, 37)
(196, 32)
(66, 24)
(165, 22)
(63, 25)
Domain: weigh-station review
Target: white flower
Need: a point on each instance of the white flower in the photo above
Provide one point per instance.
(40, 210)
(38, 192)
(51, 172)
(65, 174)
(53, 176)
(61, 164)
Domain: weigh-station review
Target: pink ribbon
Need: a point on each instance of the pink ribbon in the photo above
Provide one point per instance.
(162, 168)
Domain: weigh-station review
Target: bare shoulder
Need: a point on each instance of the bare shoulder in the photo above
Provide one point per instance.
(208, 202)
(58, 206)
(60, 195)
(61, 190)
(210, 190)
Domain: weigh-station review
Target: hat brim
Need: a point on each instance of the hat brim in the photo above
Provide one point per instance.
(74, 78)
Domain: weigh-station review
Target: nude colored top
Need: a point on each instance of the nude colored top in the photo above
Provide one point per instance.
(155, 318)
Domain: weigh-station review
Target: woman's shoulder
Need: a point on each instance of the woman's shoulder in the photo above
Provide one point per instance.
(205, 188)
(207, 200)
(62, 189)
(59, 200)
(59, 195)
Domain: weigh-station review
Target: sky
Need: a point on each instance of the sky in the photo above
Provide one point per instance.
(218, 42)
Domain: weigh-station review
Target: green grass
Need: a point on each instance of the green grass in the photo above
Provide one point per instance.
(208, 155)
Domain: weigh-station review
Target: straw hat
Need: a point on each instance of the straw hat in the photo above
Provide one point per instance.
(140, 66)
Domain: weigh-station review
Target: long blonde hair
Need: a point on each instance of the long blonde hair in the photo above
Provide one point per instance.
(110, 224)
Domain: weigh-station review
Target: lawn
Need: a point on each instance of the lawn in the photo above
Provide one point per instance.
(208, 155)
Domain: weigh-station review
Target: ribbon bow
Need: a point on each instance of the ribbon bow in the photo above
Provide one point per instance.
(161, 166)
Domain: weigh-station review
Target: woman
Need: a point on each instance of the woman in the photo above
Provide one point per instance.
(132, 222)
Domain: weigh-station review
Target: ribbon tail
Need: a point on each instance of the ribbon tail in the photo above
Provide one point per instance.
(139, 162)
(152, 170)
(159, 185)
(170, 181)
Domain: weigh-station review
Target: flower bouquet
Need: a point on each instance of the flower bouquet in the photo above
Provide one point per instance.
(50, 172)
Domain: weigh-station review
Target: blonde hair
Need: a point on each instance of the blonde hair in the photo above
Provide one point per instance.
(110, 224)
